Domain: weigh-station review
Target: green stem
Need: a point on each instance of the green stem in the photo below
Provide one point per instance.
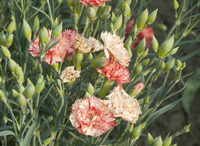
(50, 13)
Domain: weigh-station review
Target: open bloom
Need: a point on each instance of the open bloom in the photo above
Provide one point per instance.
(69, 74)
(94, 44)
(116, 72)
(91, 117)
(122, 105)
(147, 32)
(95, 3)
(114, 48)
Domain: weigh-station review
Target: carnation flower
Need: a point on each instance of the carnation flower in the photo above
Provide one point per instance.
(147, 32)
(116, 72)
(80, 45)
(69, 74)
(91, 117)
(94, 44)
(54, 55)
(95, 3)
(122, 105)
(114, 48)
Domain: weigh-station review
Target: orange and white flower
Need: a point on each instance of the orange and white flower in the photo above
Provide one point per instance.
(69, 74)
(95, 3)
(94, 44)
(122, 105)
(114, 48)
(91, 117)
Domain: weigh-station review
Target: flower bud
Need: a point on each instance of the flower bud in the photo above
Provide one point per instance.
(21, 100)
(136, 89)
(167, 141)
(26, 29)
(142, 19)
(150, 139)
(118, 22)
(137, 69)
(127, 10)
(169, 64)
(158, 141)
(145, 53)
(21, 89)
(9, 40)
(91, 13)
(98, 63)
(183, 65)
(128, 2)
(21, 77)
(55, 65)
(43, 35)
(36, 24)
(2, 95)
(47, 141)
(178, 63)
(113, 17)
(128, 43)
(15, 93)
(57, 31)
(166, 47)
(131, 127)
(29, 91)
(41, 78)
(146, 99)
(69, 3)
(90, 57)
(77, 58)
(5, 51)
(2, 39)
(90, 89)
(106, 8)
(152, 16)
(105, 87)
(154, 44)
(129, 52)
(136, 131)
(141, 46)
(39, 86)
(55, 23)
(161, 65)
(11, 26)
(18, 70)
(11, 65)
(145, 62)
(87, 94)
(175, 5)
(1, 55)
(106, 15)
(173, 51)
(161, 27)
(174, 144)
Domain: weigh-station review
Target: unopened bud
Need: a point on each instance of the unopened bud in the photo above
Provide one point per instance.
(154, 44)
(36, 24)
(137, 69)
(131, 127)
(105, 87)
(47, 141)
(174, 144)
(183, 65)
(2, 95)
(87, 94)
(9, 40)
(146, 99)
(69, 3)
(161, 27)
(106, 8)
(21, 77)
(169, 64)
(57, 31)
(145, 53)
(90, 89)
(91, 13)
(136, 131)
(100, 62)
(2, 38)
(21, 100)
(158, 141)
(5, 51)
(173, 51)
(11, 65)
(39, 86)
(18, 70)
(128, 43)
(187, 128)
(26, 29)
(90, 57)
(129, 52)
(161, 65)
(127, 10)
(106, 15)
(152, 16)
(142, 19)
(41, 78)
(55, 65)
(77, 58)
(141, 46)
(166, 47)
(11, 26)
(21, 89)
(15, 93)
(113, 17)
(128, 2)
(150, 139)
(145, 62)
(136, 89)
(29, 91)
(43, 35)
(118, 22)
(175, 5)
(178, 63)
(167, 141)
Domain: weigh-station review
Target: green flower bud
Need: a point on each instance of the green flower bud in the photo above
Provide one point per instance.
(21, 100)
(77, 58)
(150, 139)
(11, 65)
(178, 63)
(2, 95)
(166, 47)
(145, 53)
(98, 63)
(161, 27)
(90, 89)
(28, 81)
(41, 78)
(131, 127)
(36, 24)
(21, 89)
(5, 51)
(175, 5)
(167, 141)
(174, 144)
(122, 5)
(113, 17)
(158, 141)
(102, 54)
(136, 131)
(1, 55)
(26, 29)
(106, 8)
(43, 35)
(187, 128)
(69, 3)
(128, 2)
(127, 10)
(90, 57)
(145, 62)
(47, 141)
(18, 70)
(55, 65)
(154, 44)
(11, 27)
(152, 16)
(161, 65)
(106, 15)
(137, 69)
(39, 86)
(129, 52)
(55, 23)
(183, 65)
(146, 99)
(128, 43)
(91, 13)
(21, 77)
(2, 39)
(173, 51)
(142, 19)
(169, 64)
(9, 40)
(57, 31)
(87, 94)
(118, 22)
(141, 46)
(29, 91)
(15, 93)
(105, 87)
